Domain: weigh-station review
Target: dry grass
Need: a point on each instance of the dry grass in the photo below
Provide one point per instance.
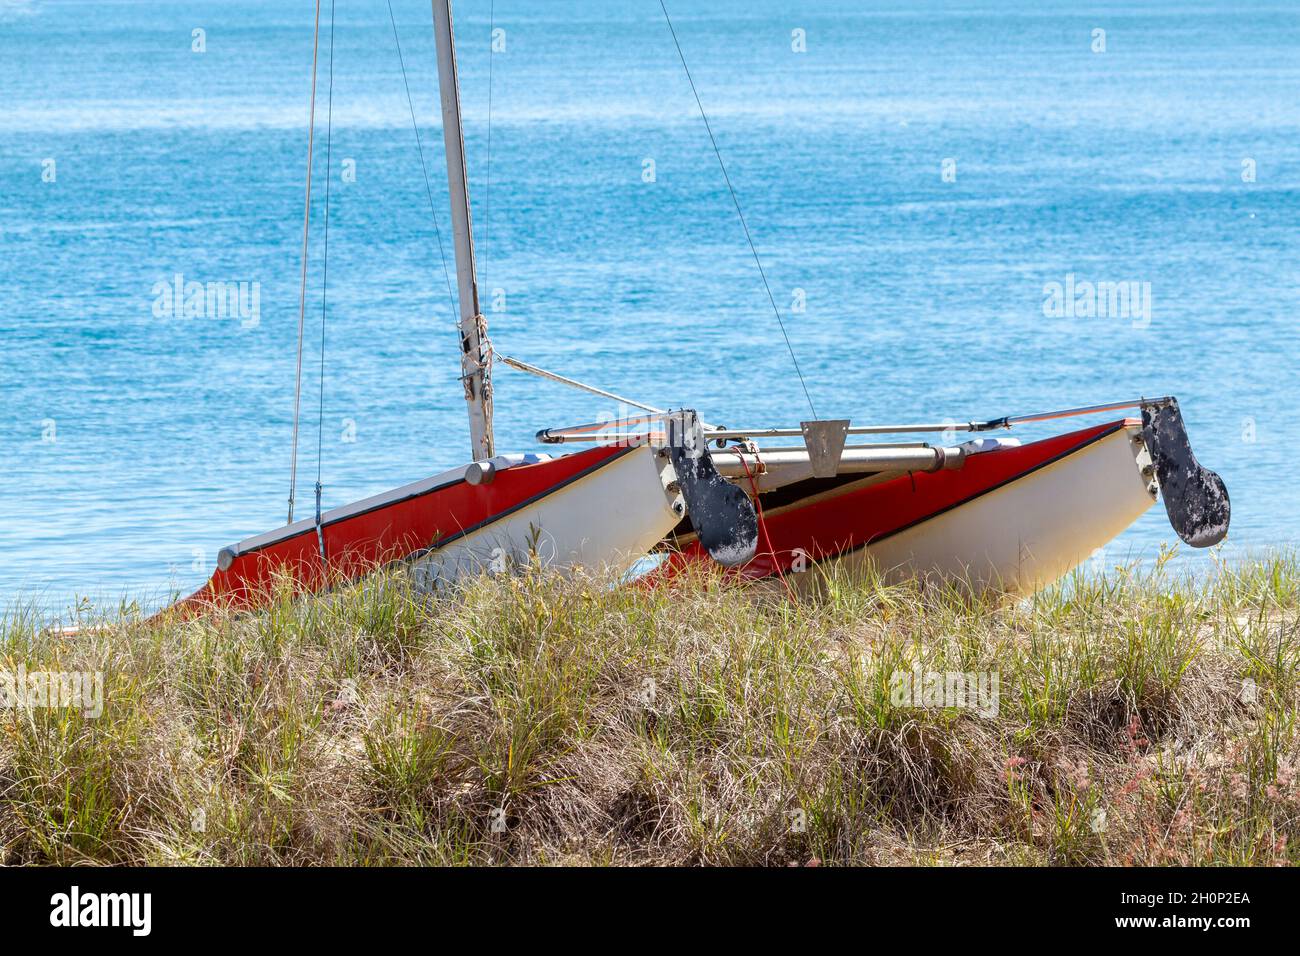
(529, 719)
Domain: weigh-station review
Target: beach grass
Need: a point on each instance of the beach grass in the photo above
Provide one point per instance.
(1140, 717)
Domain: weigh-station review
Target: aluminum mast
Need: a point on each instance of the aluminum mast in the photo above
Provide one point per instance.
(475, 349)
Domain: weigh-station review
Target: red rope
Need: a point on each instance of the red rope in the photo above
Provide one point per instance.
(762, 524)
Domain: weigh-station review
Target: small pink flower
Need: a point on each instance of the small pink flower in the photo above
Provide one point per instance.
(1132, 785)
(1237, 786)
(1285, 775)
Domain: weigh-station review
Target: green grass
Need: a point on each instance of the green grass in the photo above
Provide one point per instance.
(1143, 718)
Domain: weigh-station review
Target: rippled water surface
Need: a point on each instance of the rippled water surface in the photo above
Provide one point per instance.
(133, 445)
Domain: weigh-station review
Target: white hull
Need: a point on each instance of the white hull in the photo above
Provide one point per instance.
(606, 520)
(1026, 534)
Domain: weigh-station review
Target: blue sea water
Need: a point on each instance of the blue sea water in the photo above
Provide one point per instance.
(133, 445)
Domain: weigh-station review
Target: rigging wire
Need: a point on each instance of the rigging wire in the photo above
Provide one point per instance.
(324, 283)
(574, 383)
(419, 145)
(302, 293)
(736, 201)
(762, 522)
(487, 190)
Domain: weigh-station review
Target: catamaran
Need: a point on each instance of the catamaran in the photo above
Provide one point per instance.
(988, 513)
(763, 501)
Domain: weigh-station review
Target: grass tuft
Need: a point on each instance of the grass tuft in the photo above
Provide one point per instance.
(1140, 718)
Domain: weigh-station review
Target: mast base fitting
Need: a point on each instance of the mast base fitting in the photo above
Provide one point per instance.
(480, 473)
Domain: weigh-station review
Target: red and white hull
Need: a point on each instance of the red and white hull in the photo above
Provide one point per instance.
(1013, 518)
(603, 507)
(1026, 533)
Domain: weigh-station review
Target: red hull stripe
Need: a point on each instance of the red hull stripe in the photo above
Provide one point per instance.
(839, 525)
(402, 529)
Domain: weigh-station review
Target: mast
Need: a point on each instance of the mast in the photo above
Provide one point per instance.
(475, 349)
